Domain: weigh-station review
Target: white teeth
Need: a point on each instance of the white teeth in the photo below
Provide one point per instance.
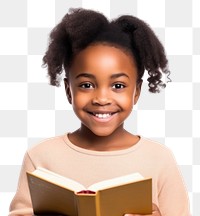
(102, 116)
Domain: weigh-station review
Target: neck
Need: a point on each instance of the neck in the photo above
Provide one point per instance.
(119, 139)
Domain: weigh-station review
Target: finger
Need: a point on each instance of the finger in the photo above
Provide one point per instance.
(135, 215)
(132, 215)
(154, 207)
(155, 210)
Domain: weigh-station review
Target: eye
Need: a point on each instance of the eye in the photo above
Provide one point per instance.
(86, 86)
(118, 86)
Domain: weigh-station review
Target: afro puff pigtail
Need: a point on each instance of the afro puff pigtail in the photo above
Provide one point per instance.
(148, 50)
(59, 49)
(76, 30)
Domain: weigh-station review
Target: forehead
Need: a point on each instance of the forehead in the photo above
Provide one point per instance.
(107, 58)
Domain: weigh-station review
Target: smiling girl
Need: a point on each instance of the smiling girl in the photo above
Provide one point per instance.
(104, 63)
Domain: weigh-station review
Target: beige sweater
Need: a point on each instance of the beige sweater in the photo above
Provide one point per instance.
(147, 157)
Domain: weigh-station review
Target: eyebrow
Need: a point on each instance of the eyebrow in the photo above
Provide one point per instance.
(88, 75)
(119, 75)
(113, 76)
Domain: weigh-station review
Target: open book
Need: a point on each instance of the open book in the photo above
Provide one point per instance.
(54, 194)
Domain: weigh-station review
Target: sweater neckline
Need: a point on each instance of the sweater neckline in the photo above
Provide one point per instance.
(103, 153)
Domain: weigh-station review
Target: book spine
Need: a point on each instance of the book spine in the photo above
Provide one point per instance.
(86, 204)
(97, 204)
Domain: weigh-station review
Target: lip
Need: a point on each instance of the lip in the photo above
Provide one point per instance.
(102, 112)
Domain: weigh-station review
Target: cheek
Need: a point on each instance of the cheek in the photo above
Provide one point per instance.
(79, 100)
(125, 103)
(126, 100)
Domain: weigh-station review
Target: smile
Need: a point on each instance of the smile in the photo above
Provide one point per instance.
(105, 116)
(102, 116)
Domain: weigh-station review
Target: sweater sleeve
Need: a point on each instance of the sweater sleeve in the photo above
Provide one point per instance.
(21, 203)
(172, 197)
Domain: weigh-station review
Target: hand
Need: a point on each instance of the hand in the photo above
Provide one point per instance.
(155, 212)
(50, 215)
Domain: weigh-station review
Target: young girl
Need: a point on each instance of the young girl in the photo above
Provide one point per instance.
(104, 63)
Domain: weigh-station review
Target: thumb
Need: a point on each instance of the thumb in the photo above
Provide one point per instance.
(132, 215)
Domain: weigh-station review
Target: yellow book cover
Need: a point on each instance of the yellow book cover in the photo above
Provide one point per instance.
(55, 194)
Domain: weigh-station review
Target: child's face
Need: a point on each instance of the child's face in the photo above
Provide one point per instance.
(102, 88)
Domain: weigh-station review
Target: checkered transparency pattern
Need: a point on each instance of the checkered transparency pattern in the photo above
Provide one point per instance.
(31, 110)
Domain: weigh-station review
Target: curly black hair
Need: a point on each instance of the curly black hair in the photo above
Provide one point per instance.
(80, 28)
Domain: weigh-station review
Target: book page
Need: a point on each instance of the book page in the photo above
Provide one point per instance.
(77, 187)
(116, 181)
(58, 179)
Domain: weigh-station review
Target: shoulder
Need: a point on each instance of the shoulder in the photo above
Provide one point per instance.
(154, 145)
(46, 145)
(157, 150)
(49, 153)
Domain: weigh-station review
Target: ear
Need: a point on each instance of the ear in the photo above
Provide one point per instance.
(67, 90)
(138, 90)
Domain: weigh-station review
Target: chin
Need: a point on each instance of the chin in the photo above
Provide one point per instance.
(102, 133)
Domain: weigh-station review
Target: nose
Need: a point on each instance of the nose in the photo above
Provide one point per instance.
(101, 98)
